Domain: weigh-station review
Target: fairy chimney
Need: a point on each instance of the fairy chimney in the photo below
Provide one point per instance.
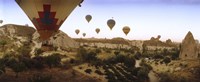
(188, 48)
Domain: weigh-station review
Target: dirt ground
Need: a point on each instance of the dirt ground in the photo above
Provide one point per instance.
(58, 75)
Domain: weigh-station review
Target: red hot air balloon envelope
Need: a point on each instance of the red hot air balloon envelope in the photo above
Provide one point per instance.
(47, 15)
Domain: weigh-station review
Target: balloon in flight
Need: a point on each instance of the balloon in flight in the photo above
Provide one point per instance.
(88, 18)
(77, 31)
(47, 15)
(111, 23)
(126, 30)
(84, 34)
(97, 30)
(1, 21)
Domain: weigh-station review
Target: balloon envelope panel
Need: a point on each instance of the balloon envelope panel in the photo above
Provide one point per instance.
(47, 15)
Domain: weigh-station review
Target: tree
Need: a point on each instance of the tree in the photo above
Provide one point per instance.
(158, 56)
(165, 52)
(116, 53)
(138, 55)
(142, 74)
(144, 48)
(38, 62)
(90, 57)
(18, 67)
(129, 62)
(53, 60)
(2, 66)
(175, 55)
(166, 60)
(81, 53)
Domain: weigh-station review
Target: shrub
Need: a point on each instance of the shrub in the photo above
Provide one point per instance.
(116, 52)
(166, 60)
(81, 53)
(98, 51)
(142, 73)
(158, 56)
(24, 51)
(2, 66)
(29, 63)
(129, 62)
(145, 65)
(120, 58)
(175, 55)
(98, 72)
(38, 51)
(88, 71)
(18, 67)
(53, 60)
(38, 62)
(80, 67)
(165, 77)
(108, 51)
(72, 61)
(138, 55)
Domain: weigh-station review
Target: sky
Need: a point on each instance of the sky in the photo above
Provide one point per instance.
(172, 19)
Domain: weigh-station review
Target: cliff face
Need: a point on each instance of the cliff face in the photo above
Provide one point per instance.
(189, 48)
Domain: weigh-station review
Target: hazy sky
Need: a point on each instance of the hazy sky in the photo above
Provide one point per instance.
(168, 18)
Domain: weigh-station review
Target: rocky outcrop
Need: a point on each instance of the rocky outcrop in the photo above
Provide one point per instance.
(188, 48)
(59, 40)
(16, 31)
(169, 41)
(16, 35)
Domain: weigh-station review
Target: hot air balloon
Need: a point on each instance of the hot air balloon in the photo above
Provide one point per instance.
(88, 18)
(77, 31)
(47, 15)
(111, 23)
(97, 30)
(84, 34)
(126, 30)
(1, 21)
(26, 25)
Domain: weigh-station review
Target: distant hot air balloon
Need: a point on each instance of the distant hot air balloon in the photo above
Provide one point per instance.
(111, 23)
(126, 30)
(77, 31)
(26, 25)
(84, 34)
(1, 21)
(97, 30)
(47, 15)
(88, 18)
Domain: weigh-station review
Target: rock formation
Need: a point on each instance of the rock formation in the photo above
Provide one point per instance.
(59, 40)
(16, 35)
(169, 41)
(188, 48)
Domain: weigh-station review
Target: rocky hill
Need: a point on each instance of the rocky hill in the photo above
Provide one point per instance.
(16, 35)
(12, 32)
(60, 40)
